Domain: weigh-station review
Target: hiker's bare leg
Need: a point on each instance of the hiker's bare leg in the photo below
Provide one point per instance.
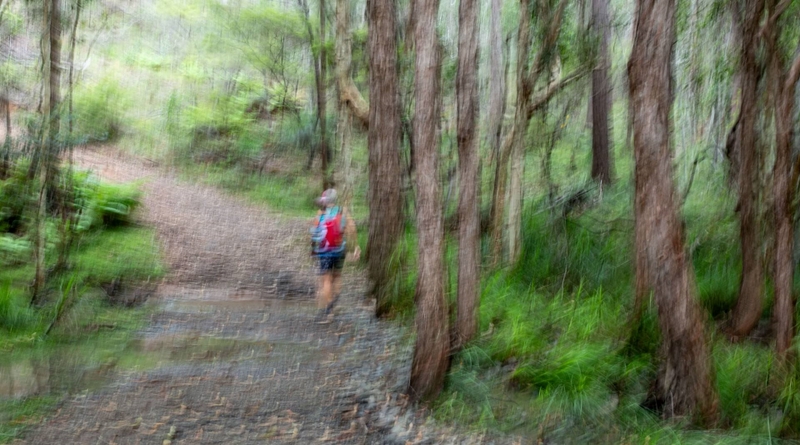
(324, 294)
(337, 283)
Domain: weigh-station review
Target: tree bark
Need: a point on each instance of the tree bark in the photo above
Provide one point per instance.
(349, 96)
(383, 140)
(685, 378)
(344, 113)
(747, 311)
(432, 345)
(602, 158)
(469, 219)
(66, 206)
(71, 81)
(51, 51)
(518, 133)
(497, 107)
(783, 85)
(324, 152)
(319, 81)
(527, 75)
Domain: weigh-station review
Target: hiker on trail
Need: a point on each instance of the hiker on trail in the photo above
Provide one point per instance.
(332, 233)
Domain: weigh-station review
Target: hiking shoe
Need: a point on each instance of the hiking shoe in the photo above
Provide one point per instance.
(324, 316)
(325, 319)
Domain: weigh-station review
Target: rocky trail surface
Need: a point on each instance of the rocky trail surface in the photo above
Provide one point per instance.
(235, 316)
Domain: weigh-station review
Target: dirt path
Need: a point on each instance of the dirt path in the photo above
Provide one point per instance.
(247, 363)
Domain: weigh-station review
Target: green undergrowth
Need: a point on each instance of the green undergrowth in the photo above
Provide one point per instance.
(292, 193)
(556, 357)
(83, 324)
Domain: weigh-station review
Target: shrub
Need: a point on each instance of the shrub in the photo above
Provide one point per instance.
(99, 111)
(103, 203)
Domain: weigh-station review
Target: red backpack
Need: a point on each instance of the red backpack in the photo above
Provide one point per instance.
(333, 233)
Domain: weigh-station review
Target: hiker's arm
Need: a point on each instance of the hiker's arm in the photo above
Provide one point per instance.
(315, 221)
(352, 236)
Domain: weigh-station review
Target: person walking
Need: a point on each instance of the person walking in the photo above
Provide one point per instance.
(333, 231)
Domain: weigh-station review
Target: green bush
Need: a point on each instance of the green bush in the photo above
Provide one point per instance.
(16, 195)
(15, 309)
(103, 203)
(100, 111)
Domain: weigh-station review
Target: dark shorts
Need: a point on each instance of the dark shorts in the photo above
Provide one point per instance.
(333, 263)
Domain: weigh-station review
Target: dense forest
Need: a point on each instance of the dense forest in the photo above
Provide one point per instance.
(584, 211)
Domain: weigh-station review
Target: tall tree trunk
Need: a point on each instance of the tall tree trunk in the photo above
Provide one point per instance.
(71, 81)
(66, 208)
(497, 107)
(324, 152)
(344, 115)
(518, 133)
(319, 80)
(432, 345)
(469, 219)
(783, 87)
(7, 103)
(383, 140)
(51, 51)
(685, 378)
(751, 286)
(527, 76)
(349, 96)
(602, 158)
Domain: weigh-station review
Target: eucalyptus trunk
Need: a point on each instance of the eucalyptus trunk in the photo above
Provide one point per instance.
(383, 141)
(51, 57)
(497, 106)
(747, 311)
(469, 219)
(602, 158)
(344, 114)
(684, 382)
(430, 360)
(518, 133)
(783, 85)
(324, 152)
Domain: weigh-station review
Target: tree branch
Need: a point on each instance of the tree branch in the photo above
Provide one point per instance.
(794, 71)
(554, 87)
(780, 8)
(350, 95)
(547, 46)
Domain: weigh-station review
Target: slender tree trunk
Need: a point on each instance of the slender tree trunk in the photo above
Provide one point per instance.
(602, 158)
(469, 218)
(685, 378)
(499, 200)
(51, 46)
(520, 130)
(344, 119)
(7, 103)
(324, 152)
(497, 80)
(71, 82)
(497, 106)
(783, 311)
(527, 75)
(783, 87)
(67, 211)
(349, 96)
(55, 62)
(319, 80)
(383, 140)
(432, 345)
(747, 311)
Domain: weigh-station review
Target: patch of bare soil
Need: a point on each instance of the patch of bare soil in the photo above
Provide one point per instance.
(245, 361)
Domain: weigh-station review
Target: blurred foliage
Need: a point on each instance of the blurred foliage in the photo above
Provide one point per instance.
(100, 111)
